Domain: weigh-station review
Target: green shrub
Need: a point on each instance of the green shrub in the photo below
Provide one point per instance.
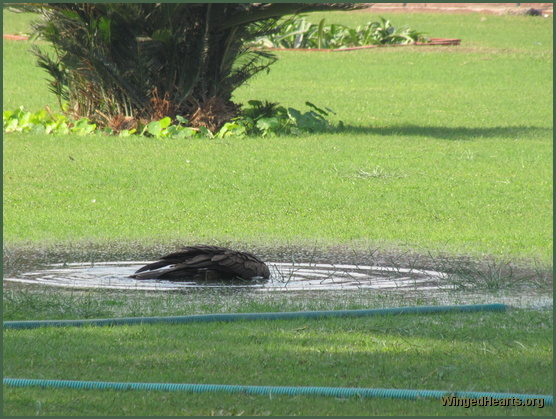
(298, 33)
(260, 119)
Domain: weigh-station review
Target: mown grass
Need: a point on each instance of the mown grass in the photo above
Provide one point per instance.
(506, 352)
(446, 150)
(444, 147)
(23, 82)
(16, 23)
(470, 196)
(41, 402)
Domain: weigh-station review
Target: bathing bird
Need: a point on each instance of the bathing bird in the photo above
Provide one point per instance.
(205, 262)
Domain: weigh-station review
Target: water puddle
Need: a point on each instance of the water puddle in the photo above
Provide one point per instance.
(284, 277)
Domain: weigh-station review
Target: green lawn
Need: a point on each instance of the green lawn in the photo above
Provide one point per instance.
(447, 151)
(444, 147)
(484, 193)
(480, 351)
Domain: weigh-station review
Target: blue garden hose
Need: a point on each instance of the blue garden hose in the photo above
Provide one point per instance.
(32, 324)
(273, 390)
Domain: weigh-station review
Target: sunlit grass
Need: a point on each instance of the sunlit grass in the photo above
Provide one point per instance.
(16, 23)
(420, 352)
(460, 138)
(463, 194)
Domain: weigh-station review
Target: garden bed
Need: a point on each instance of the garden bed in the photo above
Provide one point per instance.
(433, 42)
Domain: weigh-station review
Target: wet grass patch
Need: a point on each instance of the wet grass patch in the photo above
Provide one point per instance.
(495, 275)
(488, 272)
(466, 277)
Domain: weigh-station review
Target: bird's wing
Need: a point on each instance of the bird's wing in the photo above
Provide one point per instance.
(243, 264)
(196, 256)
(199, 261)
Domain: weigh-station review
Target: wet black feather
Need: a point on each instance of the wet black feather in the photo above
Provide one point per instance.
(193, 261)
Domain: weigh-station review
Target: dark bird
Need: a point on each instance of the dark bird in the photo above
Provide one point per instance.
(204, 262)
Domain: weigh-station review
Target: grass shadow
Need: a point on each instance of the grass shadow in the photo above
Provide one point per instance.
(451, 133)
